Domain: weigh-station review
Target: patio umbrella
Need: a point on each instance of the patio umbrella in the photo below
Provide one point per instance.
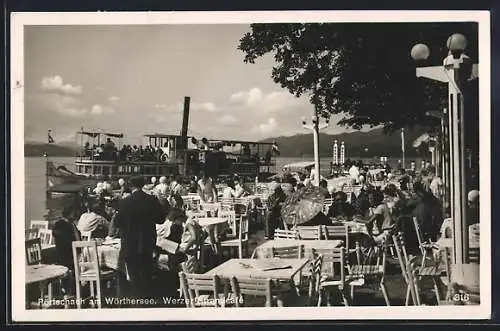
(303, 205)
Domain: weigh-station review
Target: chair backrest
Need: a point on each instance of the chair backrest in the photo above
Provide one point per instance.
(289, 252)
(38, 224)
(400, 247)
(230, 215)
(285, 234)
(31, 233)
(195, 285)
(412, 277)
(226, 203)
(334, 262)
(210, 208)
(46, 237)
(252, 286)
(419, 234)
(86, 260)
(243, 228)
(309, 232)
(33, 249)
(86, 235)
(338, 231)
(315, 270)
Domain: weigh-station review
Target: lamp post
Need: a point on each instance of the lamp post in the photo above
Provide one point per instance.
(315, 127)
(457, 68)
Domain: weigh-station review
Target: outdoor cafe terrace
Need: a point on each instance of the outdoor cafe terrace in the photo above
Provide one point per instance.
(239, 265)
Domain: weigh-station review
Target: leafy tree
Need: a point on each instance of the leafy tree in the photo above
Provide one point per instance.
(361, 70)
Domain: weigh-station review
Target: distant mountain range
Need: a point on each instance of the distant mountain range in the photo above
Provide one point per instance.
(358, 144)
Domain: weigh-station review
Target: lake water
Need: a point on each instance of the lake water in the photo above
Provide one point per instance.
(35, 179)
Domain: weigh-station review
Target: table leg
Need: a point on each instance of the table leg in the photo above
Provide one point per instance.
(50, 292)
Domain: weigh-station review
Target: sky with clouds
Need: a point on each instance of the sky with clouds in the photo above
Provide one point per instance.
(133, 79)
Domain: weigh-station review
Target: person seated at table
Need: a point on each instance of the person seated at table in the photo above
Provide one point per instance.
(92, 222)
(191, 239)
(340, 208)
(360, 203)
(323, 184)
(193, 186)
(428, 212)
(380, 225)
(229, 191)
(65, 232)
(175, 219)
(239, 190)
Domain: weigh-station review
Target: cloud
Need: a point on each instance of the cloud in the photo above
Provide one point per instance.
(114, 98)
(55, 84)
(206, 106)
(99, 88)
(73, 112)
(256, 101)
(227, 120)
(266, 128)
(197, 107)
(101, 110)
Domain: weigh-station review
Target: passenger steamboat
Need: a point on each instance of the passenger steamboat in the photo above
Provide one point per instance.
(103, 156)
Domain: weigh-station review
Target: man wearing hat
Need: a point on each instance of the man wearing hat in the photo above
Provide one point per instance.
(136, 220)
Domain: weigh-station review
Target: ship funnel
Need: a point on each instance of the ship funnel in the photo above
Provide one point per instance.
(185, 122)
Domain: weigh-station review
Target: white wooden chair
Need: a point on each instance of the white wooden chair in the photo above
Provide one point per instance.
(201, 290)
(363, 273)
(230, 215)
(87, 269)
(288, 252)
(31, 233)
(210, 209)
(309, 232)
(242, 287)
(415, 274)
(38, 224)
(33, 250)
(46, 237)
(241, 242)
(332, 260)
(427, 248)
(285, 234)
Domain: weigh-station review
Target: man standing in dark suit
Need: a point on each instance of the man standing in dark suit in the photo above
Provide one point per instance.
(137, 215)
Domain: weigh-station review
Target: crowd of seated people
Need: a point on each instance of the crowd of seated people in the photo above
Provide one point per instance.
(127, 153)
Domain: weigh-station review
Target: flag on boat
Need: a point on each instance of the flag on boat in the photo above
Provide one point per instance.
(49, 136)
(276, 148)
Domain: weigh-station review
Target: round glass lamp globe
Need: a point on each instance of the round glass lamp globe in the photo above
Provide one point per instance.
(420, 52)
(456, 42)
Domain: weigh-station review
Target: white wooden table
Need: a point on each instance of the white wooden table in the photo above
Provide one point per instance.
(44, 275)
(248, 268)
(265, 250)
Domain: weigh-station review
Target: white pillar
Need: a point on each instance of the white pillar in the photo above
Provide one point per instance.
(458, 182)
(342, 153)
(335, 153)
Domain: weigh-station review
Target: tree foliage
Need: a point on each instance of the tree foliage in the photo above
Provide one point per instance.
(360, 70)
